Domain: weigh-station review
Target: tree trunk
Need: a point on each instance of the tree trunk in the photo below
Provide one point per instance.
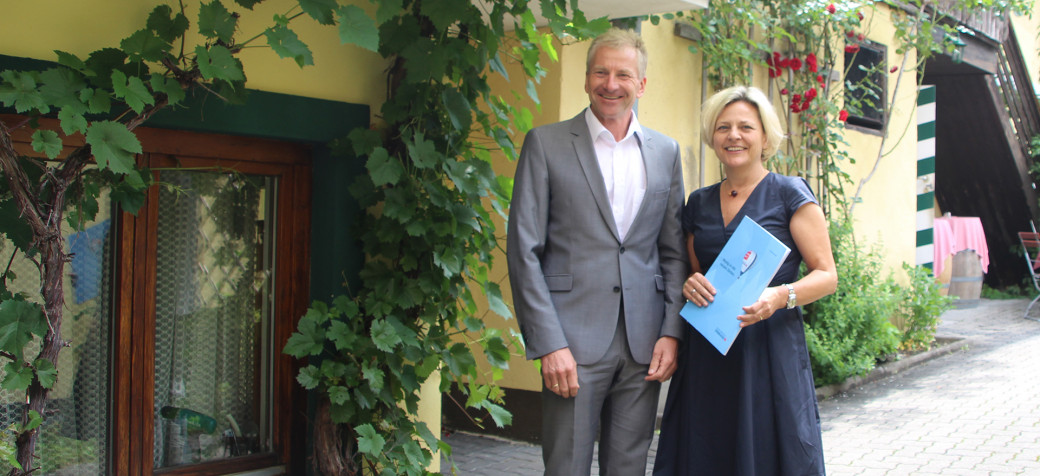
(46, 221)
(53, 261)
(333, 444)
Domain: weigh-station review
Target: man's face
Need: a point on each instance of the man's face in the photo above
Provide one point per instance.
(613, 83)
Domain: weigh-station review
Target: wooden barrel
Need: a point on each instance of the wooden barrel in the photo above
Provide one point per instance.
(966, 279)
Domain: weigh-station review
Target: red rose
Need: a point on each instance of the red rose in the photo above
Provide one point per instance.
(797, 98)
(810, 94)
(796, 64)
(810, 62)
(819, 79)
(860, 15)
(850, 33)
(831, 8)
(784, 92)
(843, 115)
(785, 63)
(860, 37)
(894, 69)
(851, 48)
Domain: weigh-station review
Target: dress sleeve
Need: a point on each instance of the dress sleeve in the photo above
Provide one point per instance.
(689, 212)
(796, 192)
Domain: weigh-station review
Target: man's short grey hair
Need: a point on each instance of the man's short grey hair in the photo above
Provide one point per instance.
(618, 38)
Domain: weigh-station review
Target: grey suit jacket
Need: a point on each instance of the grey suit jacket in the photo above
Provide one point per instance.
(568, 269)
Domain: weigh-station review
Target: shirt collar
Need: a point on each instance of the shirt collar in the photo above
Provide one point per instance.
(597, 128)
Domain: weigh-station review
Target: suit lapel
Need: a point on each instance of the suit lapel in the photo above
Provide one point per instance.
(590, 166)
(648, 149)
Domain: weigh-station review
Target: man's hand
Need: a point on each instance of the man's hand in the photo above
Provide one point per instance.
(560, 373)
(664, 362)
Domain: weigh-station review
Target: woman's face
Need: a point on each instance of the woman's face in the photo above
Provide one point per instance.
(738, 138)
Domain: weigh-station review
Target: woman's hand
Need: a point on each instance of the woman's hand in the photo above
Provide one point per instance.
(771, 299)
(698, 290)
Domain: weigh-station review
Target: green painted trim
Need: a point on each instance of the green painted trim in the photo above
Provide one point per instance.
(18, 63)
(925, 95)
(267, 114)
(925, 131)
(925, 166)
(925, 201)
(925, 237)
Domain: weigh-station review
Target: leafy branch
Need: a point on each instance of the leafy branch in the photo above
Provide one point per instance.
(428, 233)
(104, 98)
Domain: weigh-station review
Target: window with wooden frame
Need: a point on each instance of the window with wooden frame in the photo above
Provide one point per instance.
(865, 84)
(179, 315)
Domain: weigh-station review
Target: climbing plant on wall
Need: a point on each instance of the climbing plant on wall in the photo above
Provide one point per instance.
(429, 196)
(428, 234)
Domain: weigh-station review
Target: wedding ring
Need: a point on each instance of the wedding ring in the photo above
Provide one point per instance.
(556, 386)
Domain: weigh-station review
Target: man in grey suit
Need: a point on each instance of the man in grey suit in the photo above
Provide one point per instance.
(596, 265)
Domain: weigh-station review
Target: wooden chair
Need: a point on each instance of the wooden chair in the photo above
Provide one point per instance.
(1031, 251)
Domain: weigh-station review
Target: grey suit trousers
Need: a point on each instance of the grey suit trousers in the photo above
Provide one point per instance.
(613, 389)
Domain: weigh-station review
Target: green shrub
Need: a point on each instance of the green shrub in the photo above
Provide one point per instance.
(849, 330)
(920, 308)
(1014, 291)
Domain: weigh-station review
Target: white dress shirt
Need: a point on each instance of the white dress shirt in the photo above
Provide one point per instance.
(621, 163)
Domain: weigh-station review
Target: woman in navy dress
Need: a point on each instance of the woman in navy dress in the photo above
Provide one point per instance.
(753, 411)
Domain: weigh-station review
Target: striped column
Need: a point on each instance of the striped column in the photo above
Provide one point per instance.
(925, 175)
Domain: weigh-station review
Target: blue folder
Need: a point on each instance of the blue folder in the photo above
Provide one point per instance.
(744, 268)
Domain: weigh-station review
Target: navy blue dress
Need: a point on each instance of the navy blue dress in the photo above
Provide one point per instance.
(752, 412)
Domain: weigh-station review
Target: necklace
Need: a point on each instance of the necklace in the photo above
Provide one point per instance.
(734, 193)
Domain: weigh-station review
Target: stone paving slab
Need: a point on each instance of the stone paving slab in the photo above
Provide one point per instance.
(974, 411)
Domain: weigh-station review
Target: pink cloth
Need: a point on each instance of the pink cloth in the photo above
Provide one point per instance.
(953, 234)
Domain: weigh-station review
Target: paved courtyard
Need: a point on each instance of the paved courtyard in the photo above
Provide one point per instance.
(974, 411)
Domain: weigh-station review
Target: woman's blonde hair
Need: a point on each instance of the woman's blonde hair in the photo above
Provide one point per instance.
(771, 127)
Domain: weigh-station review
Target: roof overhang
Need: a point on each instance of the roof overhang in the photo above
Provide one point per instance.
(614, 9)
(629, 8)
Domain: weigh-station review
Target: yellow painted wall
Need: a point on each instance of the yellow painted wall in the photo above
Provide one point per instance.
(672, 101)
(340, 72)
(885, 213)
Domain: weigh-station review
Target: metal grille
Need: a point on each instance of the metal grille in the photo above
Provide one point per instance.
(74, 439)
(212, 282)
